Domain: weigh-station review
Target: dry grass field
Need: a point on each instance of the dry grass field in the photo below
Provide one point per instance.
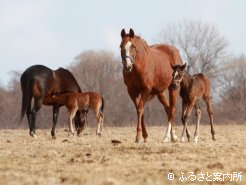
(90, 160)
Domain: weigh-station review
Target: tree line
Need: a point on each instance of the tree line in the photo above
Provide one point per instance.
(201, 46)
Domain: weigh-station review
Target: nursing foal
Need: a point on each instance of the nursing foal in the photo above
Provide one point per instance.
(192, 88)
(84, 102)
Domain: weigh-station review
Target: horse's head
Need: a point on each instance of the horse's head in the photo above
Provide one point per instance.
(128, 49)
(178, 74)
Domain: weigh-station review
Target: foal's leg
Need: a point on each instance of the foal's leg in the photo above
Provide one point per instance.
(198, 118)
(210, 113)
(184, 109)
(99, 124)
(187, 115)
(72, 113)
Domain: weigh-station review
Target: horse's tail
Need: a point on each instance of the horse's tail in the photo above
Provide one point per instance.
(26, 96)
(103, 103)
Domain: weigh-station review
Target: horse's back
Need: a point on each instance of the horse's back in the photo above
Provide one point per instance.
(36, 78)
(170, 51)
(201, 83)
(34, 71)
(65, 81)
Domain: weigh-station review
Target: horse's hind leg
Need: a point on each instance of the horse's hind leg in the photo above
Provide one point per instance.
(210, 113)
(55, 116)
(198, 118)
(163, 99)
(99, 124)
(33, 114)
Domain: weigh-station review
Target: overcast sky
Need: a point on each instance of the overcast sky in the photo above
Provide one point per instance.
(54, 32)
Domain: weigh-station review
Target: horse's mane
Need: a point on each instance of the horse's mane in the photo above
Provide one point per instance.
(141, 43)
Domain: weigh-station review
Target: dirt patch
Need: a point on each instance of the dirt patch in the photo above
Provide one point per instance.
(91, 160)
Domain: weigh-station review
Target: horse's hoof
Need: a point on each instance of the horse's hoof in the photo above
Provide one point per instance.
(137, 140)
(145, 140)
(98, 134)
(71, 134)
(196, 139)
(174, 138)
(53, 137)
(182, 139)
(166, 140)
(33, 134)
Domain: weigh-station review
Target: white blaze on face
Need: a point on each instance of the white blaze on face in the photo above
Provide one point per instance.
(175, 74)
(127, 49)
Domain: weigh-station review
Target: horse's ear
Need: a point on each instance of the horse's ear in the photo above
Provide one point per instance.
(123, 33)
(183, 67)
(131, 33)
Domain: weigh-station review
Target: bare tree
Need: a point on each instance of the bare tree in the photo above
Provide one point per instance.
(201, 45)
(233, 88)
(101, 71)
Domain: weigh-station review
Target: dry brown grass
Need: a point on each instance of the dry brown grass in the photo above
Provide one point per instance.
(90, 160)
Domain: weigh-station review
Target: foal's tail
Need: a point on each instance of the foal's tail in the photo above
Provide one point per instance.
(102, 106)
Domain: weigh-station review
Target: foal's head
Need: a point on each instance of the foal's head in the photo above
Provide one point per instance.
(178, 75)
(128, 49)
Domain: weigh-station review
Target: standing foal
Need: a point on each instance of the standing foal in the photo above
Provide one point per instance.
(83, 102)
(192, 88)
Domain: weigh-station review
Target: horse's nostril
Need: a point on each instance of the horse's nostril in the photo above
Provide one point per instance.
(174, 86)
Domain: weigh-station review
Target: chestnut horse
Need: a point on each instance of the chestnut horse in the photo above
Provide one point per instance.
(147, 72)
(39, 82)
(192, 88)
(84, 102)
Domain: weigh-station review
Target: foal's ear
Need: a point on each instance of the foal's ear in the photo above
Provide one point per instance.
(183, 67)
(123, 33)
(173, 67)
(131, 33)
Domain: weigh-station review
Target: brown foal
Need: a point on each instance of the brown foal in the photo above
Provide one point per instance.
(192, 88)
(82, 102)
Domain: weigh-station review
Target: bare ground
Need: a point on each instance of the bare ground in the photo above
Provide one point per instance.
(90, 160)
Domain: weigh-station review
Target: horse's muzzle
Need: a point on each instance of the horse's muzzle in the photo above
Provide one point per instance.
(127, 66)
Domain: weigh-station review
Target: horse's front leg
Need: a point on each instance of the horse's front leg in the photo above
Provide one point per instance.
(56, 109)
(140, 112)
(72, 113)
(184, 110)
(170, 134)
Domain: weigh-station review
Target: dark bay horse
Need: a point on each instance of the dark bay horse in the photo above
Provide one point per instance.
(39, 82)
(83, 102)
(192, 88)
(147, 71)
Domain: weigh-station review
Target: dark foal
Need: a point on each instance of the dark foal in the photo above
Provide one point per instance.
(192, 88)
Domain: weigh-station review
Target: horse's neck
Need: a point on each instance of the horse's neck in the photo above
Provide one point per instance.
(186, 82)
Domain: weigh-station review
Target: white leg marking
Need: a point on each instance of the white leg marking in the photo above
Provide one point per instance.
(196, 139)
(174, 137)
(168, 133)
